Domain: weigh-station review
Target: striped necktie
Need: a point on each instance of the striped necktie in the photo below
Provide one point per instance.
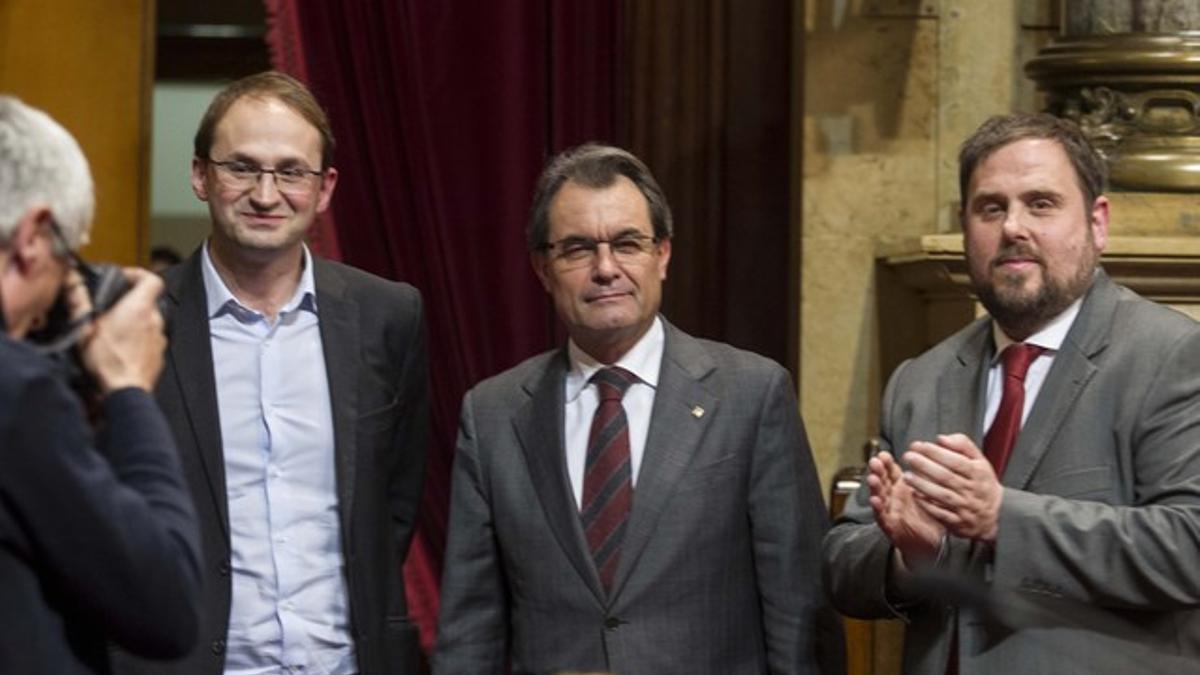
(607, 484)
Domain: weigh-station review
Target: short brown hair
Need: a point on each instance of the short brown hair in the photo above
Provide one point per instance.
(1091, 172)
(594, 165)
(271, 84)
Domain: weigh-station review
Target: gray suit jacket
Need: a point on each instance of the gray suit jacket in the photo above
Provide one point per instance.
(375, 359)
(1100, 523)
(719, 569)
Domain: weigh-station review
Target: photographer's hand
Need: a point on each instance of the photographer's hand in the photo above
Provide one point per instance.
(124, 346)
(79, 303)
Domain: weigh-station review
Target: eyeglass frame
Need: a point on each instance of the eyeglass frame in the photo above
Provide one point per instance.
(591, 246)
(75, 262)
(88, 275)
(61, 249)
(259, 171)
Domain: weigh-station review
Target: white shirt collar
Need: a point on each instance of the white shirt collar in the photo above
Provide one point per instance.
(644, 359)
(1051, 336)
(220, 298)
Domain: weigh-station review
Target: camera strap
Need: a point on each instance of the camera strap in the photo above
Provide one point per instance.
(67, 339)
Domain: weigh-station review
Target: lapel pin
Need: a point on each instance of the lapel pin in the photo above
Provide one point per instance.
(697, 412)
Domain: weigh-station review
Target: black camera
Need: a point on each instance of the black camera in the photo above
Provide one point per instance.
(58, 335)
(105, 285)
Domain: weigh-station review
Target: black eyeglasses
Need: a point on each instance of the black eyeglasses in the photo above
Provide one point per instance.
(61, 249)
(63, 326)
(241, 175)
(90, 274)
(627, 248)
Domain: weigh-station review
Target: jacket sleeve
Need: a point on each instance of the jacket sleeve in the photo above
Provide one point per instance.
(473, 627)
(111, 527)
(1133, 555)
(411, 439)
(788, 520)
(856, 554)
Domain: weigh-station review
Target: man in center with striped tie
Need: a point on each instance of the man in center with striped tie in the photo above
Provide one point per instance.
(639, 501)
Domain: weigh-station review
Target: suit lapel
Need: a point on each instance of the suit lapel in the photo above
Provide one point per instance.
(961, 392)
(963, 386)
(1070, 373)
(190, 353)
(674, 437)
(340, 341)
(543, 445)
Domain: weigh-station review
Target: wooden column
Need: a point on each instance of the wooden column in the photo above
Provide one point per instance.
(90, 65)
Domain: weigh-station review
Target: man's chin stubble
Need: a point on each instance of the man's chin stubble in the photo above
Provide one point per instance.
(1019, 314)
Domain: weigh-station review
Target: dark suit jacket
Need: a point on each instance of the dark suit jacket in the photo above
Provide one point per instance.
(1101, 509)
(96, 542)
(375, 358)
(719, 568)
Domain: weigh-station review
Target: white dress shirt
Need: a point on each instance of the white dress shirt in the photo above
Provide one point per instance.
(582, 399)
(1051, 338)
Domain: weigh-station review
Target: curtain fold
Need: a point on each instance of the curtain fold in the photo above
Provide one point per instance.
(286, 46)
(444, 113)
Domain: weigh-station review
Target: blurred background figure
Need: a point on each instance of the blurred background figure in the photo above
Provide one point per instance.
(162, 257)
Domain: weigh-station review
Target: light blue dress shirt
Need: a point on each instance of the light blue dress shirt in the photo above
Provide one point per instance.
(289, 611)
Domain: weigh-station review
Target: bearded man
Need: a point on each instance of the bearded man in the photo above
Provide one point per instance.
(1048, 454)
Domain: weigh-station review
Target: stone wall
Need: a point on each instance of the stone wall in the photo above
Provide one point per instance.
(891, 87)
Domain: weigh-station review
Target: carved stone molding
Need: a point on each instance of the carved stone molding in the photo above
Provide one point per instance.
(1137, 96)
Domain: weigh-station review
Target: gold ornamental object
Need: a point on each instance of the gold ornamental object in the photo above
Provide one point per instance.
(1136, 96)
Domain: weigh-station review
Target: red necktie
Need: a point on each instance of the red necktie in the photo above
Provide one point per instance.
(998, 443)
(607, 484)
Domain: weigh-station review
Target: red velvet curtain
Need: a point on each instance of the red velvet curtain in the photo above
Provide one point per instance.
(444, 113)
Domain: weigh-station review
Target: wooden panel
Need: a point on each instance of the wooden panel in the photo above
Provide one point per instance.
(89, 65)
(210, 40)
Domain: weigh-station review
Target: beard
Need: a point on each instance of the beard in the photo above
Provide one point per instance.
(1021, 311)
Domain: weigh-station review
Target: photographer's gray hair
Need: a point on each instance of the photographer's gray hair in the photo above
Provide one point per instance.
(40, 163)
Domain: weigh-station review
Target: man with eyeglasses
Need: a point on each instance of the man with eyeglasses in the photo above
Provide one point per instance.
(98, 539)
(297, 390)
(639, 501)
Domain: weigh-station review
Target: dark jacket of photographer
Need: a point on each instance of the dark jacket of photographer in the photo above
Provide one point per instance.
(98, 539)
